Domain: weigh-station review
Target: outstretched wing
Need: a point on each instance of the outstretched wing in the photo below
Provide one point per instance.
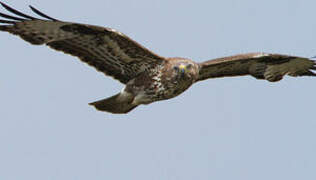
(271, 67)
(108, 50)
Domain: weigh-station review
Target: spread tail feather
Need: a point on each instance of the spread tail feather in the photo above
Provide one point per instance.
(118, 104)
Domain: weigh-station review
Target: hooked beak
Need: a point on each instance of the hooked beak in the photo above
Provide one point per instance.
(182, 69)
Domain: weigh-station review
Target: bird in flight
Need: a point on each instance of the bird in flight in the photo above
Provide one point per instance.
(148, 77)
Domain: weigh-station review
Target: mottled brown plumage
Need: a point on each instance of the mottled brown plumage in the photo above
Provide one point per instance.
(148, 77)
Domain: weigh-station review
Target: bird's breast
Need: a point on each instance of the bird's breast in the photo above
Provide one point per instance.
(156, 86)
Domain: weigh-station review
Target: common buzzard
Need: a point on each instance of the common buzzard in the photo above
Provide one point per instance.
(148, 77)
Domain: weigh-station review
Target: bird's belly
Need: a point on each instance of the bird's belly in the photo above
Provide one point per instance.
(156, 91)
(149, 95)
(172, 90)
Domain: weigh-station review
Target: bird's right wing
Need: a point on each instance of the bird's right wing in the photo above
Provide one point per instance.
(106, 49)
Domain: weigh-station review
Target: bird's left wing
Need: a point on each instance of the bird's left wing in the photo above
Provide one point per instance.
(271, 67)
(106, 49)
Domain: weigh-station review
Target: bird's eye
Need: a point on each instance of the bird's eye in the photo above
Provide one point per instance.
(189, 66)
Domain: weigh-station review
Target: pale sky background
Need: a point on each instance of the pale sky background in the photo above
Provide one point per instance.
(223, 129)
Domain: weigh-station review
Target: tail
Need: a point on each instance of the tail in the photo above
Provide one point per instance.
(120, 103)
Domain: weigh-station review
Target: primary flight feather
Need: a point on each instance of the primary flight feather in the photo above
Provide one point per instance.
(148, 77)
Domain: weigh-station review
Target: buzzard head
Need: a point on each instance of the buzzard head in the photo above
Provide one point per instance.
(185, 70)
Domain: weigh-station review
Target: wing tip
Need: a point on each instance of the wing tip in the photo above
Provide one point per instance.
(2, 3)
(21, 15)
(313, 68)
(314, 63)
(6, 22)
(16, 12)
(36, 11)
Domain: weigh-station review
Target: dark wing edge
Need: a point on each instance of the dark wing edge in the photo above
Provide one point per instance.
(18, 22)
(23, 17)
(106, 49)
(271, 67)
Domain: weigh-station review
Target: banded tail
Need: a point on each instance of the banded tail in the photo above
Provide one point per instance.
(120, 103)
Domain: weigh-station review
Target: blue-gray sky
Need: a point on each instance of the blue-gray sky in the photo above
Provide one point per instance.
(230, 128)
